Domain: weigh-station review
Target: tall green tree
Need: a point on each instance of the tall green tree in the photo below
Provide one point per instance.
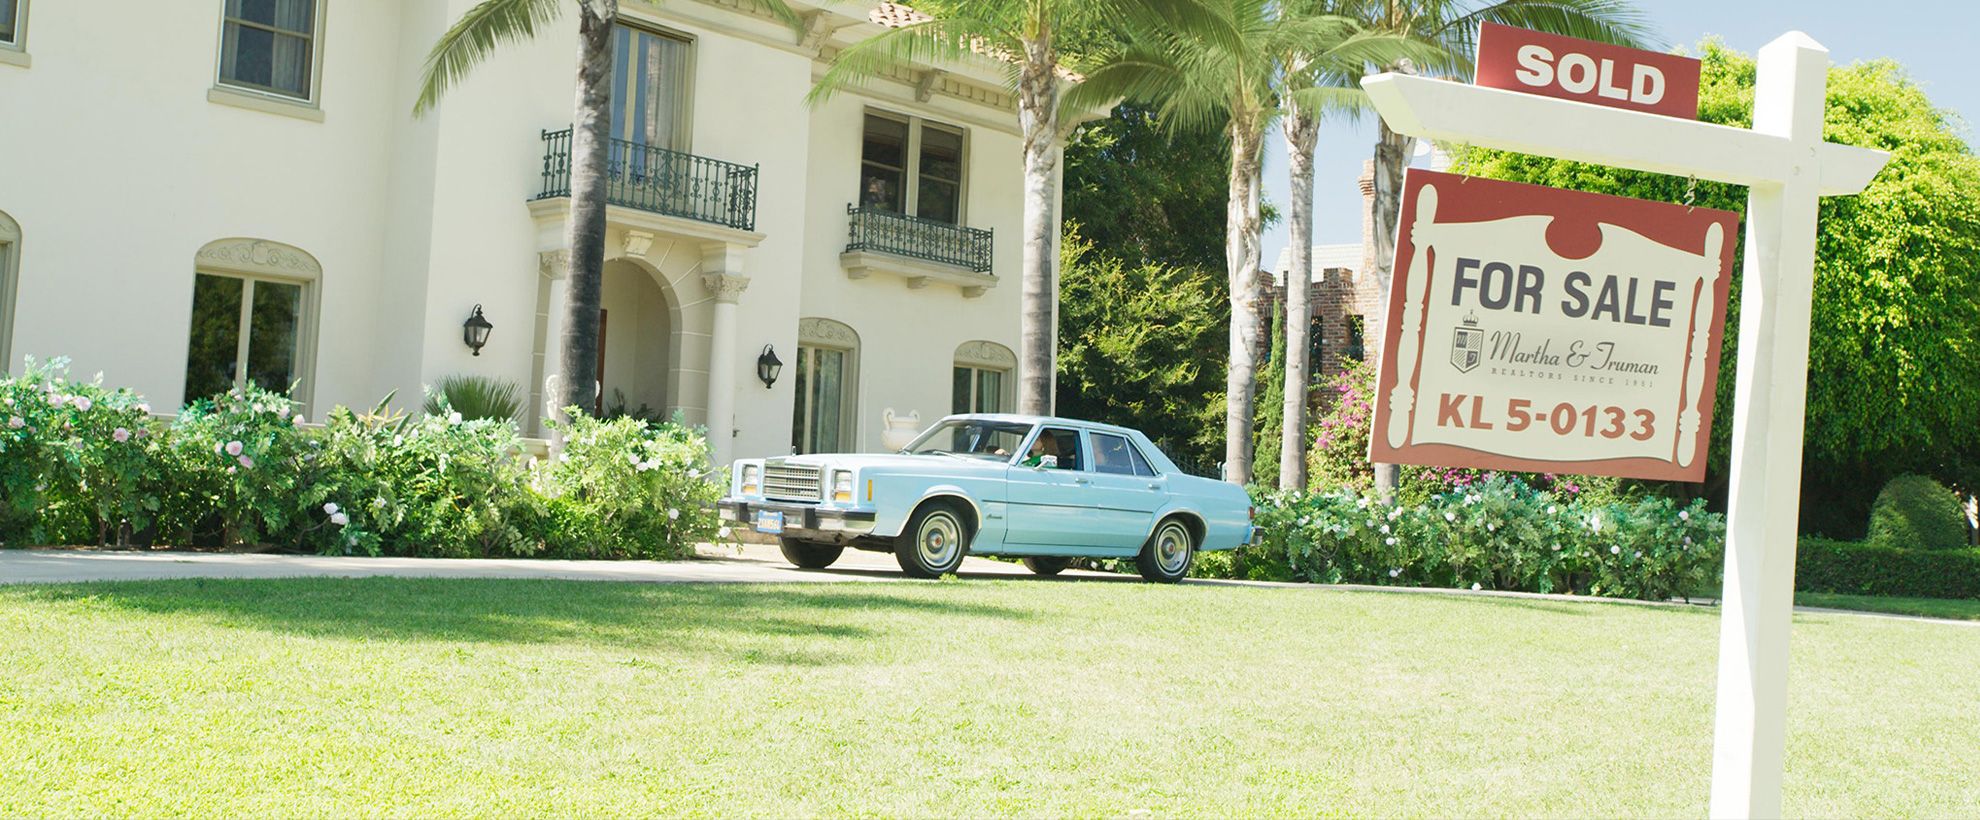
(1235, 81)
(473, 39)
(1447, 33)
(1894, 348)
(1029, 34)
(1144, 192)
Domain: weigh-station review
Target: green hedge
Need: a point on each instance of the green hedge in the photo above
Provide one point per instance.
(1914, 511)
(81, 463)
(1857, 568)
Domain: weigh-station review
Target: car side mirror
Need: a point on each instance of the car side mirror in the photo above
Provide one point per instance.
(1048, 462)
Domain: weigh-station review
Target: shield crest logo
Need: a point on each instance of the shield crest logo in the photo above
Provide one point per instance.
(1467, 345)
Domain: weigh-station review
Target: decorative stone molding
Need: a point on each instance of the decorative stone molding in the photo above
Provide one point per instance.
(726, 287)
(987, 354)
(553, 264)
(259, 256)
(924, 88)
(638, 243)
(828, 332)
(916, 273)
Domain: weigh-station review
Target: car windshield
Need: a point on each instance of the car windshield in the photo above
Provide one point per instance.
(975, 438)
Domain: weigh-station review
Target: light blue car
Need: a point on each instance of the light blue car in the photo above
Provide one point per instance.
(1047, 490)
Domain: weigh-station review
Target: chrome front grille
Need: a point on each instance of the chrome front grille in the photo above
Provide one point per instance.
(792, 482)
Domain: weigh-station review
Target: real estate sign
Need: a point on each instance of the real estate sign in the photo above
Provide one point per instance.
(1543, 330)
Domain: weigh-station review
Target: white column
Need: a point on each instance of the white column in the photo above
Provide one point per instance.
(1750, 733)
(721, 272)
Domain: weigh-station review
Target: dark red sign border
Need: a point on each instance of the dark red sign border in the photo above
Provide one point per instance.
(1498, 50)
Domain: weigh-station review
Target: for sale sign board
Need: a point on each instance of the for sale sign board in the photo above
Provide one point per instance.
(1535, 62)
(1543, 330)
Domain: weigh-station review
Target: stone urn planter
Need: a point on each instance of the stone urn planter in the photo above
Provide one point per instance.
(899, 431)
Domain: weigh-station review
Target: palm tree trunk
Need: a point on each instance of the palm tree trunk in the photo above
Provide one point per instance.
(1038, 119)
(1302, 129)
(1391, 158)
(1241, 236)
(585, 226)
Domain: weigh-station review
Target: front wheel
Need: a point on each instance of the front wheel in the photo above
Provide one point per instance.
(809, 555)
(933, 543)
(1165, 559)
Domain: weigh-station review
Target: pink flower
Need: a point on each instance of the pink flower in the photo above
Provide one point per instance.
(246, 462)
(16, 423)
(83, 403)
(144, 408)
(233, 448)
(339, 519)
(120, 435)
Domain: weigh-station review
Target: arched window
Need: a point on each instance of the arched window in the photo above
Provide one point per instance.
(827, 387)
(253, 319)
(983, 382)
(10, 265)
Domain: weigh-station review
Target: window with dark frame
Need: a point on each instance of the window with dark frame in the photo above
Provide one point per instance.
(977, 390)
(911, 166)
(269, 46)
(244, 330)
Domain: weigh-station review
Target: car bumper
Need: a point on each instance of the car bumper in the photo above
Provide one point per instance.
(806, 521)
(1255, 537)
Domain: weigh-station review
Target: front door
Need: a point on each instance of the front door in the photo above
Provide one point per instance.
(1048, 505)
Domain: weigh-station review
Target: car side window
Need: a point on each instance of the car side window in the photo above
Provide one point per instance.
(1060, 443)
(1113, 454)
(1141, 465)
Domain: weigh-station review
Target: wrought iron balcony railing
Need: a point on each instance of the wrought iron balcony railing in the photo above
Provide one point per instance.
(660, 180)
(874, 229)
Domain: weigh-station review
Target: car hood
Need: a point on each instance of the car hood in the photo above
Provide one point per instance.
(862, 461)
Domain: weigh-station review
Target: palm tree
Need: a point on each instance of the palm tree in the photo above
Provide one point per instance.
(1447, 31)
(1237, 81)
(470, 41)
(1030, 34)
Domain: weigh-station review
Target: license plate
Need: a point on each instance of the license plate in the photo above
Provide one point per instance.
(770, 521)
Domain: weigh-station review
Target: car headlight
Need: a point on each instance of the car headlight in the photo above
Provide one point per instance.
(842, 486)
(751, 478)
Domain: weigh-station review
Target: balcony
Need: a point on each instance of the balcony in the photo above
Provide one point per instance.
(918, 250)
(657, 180)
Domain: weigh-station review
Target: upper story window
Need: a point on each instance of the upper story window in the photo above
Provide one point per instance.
(269, 46)
(13, 18)
(651, 75)
(911, 166)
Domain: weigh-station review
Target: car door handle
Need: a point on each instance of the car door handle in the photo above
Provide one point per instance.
(1154, 486)
(1082, 481)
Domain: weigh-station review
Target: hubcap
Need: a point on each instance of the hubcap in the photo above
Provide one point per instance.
(941, 539)
(1172, 548)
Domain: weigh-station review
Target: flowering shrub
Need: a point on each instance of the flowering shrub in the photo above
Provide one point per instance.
(82, 463)
(1499, 533)
(627, 488)
(73, 459)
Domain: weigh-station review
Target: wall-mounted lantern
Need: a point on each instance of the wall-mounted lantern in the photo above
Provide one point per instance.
(475, 330)
(768, 366)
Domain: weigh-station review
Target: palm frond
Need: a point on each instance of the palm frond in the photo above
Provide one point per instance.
(473, 37)
(1619, 22)
(475, 397)
(927, 43)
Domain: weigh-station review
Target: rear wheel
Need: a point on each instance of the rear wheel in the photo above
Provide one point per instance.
(1165, 559)
(809, 554)
(933, 543)
(1046, 564)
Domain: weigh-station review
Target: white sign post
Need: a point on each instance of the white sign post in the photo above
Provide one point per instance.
(1787, 167)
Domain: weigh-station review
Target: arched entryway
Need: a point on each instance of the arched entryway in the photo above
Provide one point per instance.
(640, 350)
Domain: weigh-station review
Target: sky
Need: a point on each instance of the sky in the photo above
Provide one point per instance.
(1931, 38)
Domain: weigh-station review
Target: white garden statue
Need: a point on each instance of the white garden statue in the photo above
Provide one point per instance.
(898, 431)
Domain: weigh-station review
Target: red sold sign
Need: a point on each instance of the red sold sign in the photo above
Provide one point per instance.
(1550, 65)
(1541, 330)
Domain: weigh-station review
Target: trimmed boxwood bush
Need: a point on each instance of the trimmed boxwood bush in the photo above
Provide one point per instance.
(1858, 568)
(1915, 512)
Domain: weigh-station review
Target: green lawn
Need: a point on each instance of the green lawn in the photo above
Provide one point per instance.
(383, 696)
(1958, 610)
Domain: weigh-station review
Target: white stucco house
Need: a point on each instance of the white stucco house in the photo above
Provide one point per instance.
(200, 194)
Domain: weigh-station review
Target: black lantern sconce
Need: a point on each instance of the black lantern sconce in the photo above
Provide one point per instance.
(474, 331)
(768, 366)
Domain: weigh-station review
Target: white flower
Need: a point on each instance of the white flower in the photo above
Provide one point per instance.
(1393, 572)
(142, 407)
(1595, 523)
(673, 514)
(1475, 587)
(1557, 548)
(1639, 554)
(1552, 510)
(1615, 550)
(298, 420)
(233, 448)
(16, 422)
(330, 508)
(1385, 529)
(1491, 527)
(1363, 503)
(340, 519)
(454, 418)
(1390, 541)
(1450, 516)
(1684, 515)
(1395, 512)
(82, 403)
(632, 458)
(722, 533)
(378, 503)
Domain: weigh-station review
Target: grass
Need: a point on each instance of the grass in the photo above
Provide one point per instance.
(423, 697)
(1953, 609)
